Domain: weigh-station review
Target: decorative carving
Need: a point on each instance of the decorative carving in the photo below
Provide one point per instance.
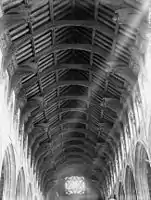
(126, 128)
(141, 43)
(44, 126)
(134, 65)
(132, 117)
(101, 129)
(138, 99)
(21, 99)
(96, 161)
(12, 66)
(125, 15)
(103, 103)
(144, 29)
(4, 40)
(125, 94)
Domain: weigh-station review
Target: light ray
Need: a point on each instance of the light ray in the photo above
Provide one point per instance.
(134, 22)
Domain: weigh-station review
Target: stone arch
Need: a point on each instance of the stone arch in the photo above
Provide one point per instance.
(143, 172)
(121, 193)
(8, 173)
(130, 188)
(148, 132)
(5, 177)
(20, 187)
(12, 163)
(29, 192)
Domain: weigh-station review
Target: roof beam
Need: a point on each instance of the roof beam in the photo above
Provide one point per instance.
(35, 60)
(65, 83)
(114, 104)
(83, 23)
(87, 147)
(90, 134)
(63, 47)
(80, 109)
(37, 151)
(65, 98)
(94, 117)
(83, 47)
(63, 110)
(91, 63)
(94, 173)
(42, 161)
(53, 86)
(41, 136)
(83, 67)
(60, 166)
(80, 161)
(74, 120)
(70, 155)
(58, 151)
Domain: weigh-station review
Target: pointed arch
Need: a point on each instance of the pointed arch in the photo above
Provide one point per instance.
(130, 187)
(8, 173)
(121, 193)
(35, 198)
(142, 171)
(4, 177)
(21, 187)
(11, 153)
(29, 192)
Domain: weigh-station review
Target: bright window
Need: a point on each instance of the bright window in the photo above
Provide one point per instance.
(75, 185)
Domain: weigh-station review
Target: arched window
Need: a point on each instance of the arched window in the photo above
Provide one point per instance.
(130, 185)
(75, 185)
(143, 172)
(20, 187)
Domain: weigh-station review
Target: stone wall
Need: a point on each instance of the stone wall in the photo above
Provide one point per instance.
(17, 179)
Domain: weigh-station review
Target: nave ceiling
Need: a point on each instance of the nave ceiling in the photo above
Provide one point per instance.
(72, 65)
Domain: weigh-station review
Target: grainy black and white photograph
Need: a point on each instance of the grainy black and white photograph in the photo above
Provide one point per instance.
(75, 99)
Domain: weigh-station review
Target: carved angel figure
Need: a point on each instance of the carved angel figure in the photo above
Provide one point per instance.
(141, 43)
(126, 15)
(136, 57)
